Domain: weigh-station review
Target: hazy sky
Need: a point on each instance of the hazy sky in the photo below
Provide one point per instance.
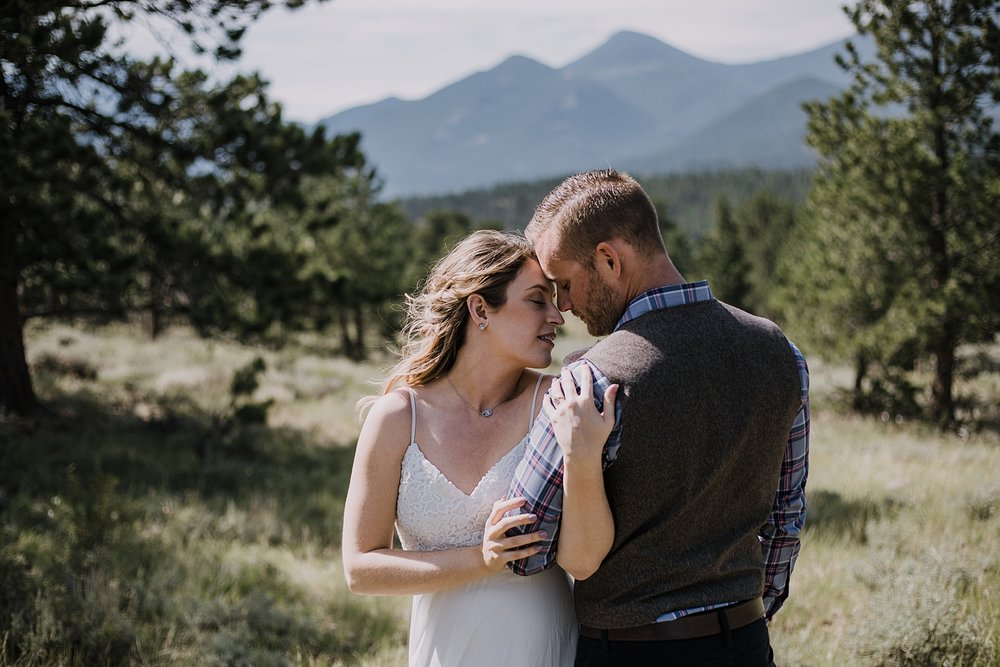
(326, 57)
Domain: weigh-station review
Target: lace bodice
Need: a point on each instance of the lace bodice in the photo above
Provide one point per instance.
(432, 513)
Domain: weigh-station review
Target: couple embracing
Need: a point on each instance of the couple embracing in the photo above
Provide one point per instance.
(664, 471)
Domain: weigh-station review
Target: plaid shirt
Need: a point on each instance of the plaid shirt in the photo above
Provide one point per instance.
(538, 477)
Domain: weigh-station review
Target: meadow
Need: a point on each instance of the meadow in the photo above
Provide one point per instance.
(182, 505)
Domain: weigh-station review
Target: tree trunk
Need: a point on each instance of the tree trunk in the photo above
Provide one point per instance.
(345, 332)
(155, 321)
(16, 393)
(359, 331)
(942, 398)
(860, 371)
(946, 336)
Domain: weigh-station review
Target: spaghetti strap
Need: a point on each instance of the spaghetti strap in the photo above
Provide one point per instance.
(413, 416)
(534, 397)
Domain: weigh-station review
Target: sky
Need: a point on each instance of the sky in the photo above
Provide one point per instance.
(326, 57)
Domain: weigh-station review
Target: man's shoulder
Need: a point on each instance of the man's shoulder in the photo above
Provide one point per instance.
(749, 318)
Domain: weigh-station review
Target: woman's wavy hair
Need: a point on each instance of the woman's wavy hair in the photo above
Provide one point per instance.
(484, 263)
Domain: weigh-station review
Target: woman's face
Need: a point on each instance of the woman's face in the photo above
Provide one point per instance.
(525, 326)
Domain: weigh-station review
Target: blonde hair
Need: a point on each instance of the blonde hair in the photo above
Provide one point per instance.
(484, 263)
(595, 206)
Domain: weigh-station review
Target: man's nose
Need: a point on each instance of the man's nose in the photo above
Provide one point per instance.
(563, 302)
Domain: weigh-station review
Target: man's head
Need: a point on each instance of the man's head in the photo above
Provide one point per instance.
(597, 235)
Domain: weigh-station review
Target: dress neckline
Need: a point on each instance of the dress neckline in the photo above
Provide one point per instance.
(415, 446)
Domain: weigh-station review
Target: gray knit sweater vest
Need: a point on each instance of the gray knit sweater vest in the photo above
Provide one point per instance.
(710, 393)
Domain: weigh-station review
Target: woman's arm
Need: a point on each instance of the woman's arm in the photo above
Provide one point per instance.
(587, 529)
(371, 565)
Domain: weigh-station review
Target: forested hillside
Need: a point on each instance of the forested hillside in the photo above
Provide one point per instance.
(689, 199)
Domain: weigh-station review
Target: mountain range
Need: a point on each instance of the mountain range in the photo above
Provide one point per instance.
(633, 103)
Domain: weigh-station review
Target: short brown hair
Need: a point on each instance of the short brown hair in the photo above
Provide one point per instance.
(595, 206)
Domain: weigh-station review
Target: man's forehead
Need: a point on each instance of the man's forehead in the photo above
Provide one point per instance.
(555, 269)
(546, 245)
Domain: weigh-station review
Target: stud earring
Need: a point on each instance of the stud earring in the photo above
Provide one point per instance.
(482, 326)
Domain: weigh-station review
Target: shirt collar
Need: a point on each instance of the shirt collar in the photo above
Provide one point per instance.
(668, 296)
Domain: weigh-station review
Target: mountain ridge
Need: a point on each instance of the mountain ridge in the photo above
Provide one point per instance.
(625, 102)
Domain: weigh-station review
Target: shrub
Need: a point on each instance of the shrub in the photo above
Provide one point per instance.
(925, 619)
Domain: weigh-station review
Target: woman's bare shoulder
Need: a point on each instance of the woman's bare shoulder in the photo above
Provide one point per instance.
(387, 424)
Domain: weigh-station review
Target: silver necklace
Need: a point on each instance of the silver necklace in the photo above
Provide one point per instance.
(488, 411)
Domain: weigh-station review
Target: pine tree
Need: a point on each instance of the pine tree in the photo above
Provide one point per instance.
(103, 158)
(903, 257)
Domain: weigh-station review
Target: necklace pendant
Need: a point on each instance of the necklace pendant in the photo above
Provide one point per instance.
(486, 413)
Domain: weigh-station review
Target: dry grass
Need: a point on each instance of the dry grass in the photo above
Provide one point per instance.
(144, 526)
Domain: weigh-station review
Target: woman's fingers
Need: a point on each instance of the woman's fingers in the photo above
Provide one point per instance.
(609, 404)
(503, 506)
(497, 548)
(503, 525)
(567, 384)
(586, 383)
(518, 554)
(547, 406)
(556, 391)
(521, 540)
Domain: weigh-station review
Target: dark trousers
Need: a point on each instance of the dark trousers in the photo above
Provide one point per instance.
(748, 646)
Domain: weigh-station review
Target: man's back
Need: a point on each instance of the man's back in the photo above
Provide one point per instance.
(710, 395)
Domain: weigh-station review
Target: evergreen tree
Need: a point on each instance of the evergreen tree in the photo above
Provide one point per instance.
(88, 145)
(901, 258)
(675, 240)
(722, 258)
(741, 253)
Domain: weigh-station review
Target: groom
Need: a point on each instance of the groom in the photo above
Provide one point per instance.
(706, 468)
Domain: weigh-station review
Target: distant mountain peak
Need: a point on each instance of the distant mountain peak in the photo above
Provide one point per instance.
(634, 38)
(630, 47)
(634, 100)
(518, 64)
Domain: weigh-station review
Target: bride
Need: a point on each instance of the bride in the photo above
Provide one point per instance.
(437, 453)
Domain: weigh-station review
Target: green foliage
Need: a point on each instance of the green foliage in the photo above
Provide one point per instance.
(740, 254)
(133, 536)
(722, 258)
(134, 188)
(126, 538)
(919, 620)
(689, 199)
(898, 260)
(245, 410)
(674, 240)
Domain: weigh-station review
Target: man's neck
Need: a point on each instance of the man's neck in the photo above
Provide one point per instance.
(656, 272)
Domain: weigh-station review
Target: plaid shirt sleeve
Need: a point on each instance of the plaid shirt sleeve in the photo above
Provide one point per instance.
(539, 476)
(779, 537)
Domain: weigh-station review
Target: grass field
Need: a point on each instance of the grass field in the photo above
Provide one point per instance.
(153, 519)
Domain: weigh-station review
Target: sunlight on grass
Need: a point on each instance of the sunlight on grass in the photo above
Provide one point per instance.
(147, 524)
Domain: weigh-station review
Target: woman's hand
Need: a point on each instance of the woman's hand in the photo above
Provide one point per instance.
(498, 549)
(580, 429)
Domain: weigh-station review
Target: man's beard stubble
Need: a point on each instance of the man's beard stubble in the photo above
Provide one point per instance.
(601, 313)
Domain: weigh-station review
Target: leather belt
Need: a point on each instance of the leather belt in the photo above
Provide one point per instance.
(685, 627)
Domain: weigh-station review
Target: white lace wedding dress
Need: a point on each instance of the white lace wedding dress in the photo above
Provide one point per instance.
(503, 620)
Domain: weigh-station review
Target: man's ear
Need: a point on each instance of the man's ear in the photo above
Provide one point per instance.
(608, 258)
